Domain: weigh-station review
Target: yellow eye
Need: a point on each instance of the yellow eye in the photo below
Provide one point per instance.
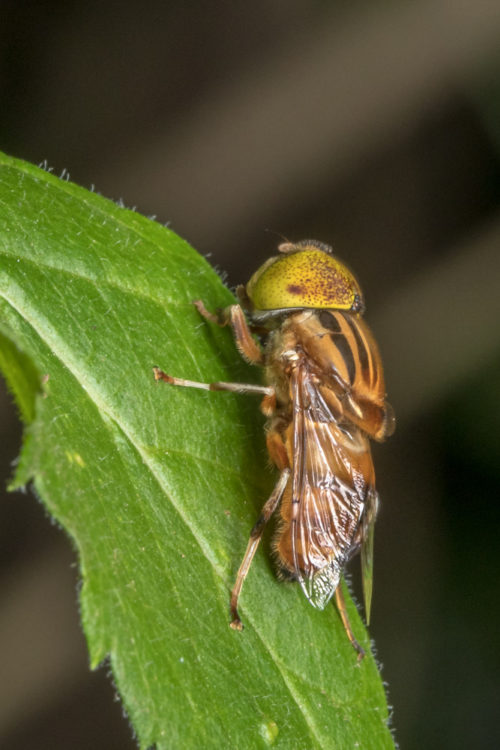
(307, 275)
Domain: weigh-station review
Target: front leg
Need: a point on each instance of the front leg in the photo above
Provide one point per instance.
(235, 317)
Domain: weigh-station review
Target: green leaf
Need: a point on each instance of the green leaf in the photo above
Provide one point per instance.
(158, 486)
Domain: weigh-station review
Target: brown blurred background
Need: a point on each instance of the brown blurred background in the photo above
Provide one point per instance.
(374, 127)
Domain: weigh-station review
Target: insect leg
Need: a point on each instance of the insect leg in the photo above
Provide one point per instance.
(234, 315)
(253, 543)
(218, 386)
(218, 319)
(339, 598)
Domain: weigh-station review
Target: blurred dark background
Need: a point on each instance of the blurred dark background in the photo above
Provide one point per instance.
(371, 126)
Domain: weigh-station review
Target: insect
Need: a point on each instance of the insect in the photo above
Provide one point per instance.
(324, 400)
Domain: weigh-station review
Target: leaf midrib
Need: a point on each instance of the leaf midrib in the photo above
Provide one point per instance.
(135, 292)
(102, 405)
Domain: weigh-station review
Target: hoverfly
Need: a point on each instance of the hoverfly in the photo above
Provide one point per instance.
(324, 399)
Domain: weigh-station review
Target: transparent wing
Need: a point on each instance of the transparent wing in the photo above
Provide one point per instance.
(368, 526)
(332, 474)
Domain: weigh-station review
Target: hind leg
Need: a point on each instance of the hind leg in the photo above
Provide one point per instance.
(253, 543)
(339, 598)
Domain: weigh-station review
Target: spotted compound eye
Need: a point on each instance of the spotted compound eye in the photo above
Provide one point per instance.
(306, 276)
